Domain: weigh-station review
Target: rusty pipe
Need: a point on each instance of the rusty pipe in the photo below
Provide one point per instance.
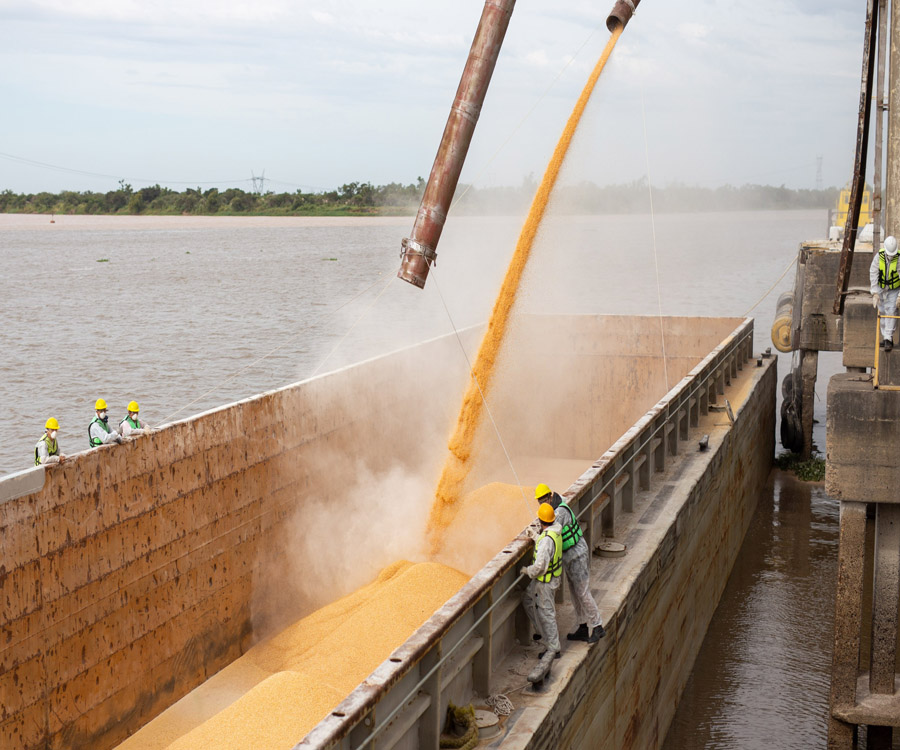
(418, 251)
(621, 14)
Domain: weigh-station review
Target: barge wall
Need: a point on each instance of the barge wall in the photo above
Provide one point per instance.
(127, 573)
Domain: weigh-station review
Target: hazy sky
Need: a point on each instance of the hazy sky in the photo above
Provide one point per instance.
(319, 93)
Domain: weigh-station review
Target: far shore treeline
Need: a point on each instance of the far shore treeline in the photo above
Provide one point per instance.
(365, 199)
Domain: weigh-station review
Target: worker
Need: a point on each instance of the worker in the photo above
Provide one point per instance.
(47, 449)
(544, 573)
(885, 286)
(576, 561)
(99, 431)
(131, 426)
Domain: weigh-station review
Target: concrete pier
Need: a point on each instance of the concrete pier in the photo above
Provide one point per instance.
(863, 472)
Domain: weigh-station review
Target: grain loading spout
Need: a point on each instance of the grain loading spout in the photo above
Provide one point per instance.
(621, 14)
(419, 250)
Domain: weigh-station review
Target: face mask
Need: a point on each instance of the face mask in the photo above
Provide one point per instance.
(53, 434)
(103, 416)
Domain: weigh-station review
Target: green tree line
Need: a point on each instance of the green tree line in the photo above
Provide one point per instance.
(364, 198)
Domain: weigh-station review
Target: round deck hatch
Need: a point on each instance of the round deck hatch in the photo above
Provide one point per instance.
(610, 549)
(488, 724)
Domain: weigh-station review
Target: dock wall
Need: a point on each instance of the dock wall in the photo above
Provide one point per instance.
(127, 574)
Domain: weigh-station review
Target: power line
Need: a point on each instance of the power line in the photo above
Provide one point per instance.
(253, 179)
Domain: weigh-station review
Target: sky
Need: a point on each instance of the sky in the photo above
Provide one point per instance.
(317, 93)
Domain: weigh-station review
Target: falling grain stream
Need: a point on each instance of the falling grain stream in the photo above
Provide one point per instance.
(452, 483)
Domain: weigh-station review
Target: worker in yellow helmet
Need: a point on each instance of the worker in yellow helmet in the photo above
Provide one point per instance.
(131, 426)
(576, 560)
(544, 572)
(99, 431)
(47, 449)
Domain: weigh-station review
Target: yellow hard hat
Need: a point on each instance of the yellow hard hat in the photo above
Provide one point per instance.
(52, 424)
(132, 406)
(101, 404)
(546, 513)
(542, 490)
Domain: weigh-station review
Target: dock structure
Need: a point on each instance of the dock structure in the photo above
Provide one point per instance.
(862, 468)
(131, 573)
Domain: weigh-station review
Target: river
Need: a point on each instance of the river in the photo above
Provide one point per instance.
(184, 314)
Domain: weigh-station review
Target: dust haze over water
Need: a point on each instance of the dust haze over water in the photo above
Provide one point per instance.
(174, 311)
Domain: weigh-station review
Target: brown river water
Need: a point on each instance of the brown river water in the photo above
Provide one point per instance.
(186, 314)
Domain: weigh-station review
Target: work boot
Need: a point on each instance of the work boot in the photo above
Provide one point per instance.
(596, 634)
(558, 655)
(536, 637)
(888, 345)
(579, 635)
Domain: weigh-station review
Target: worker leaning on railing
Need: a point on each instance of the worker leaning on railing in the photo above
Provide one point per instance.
(46, 450)
(885, 286)
(576, 560)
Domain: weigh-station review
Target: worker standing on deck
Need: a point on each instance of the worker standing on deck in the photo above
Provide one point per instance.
(131, 426)
(576, 561)
(47, 449)
(544, 573)
(99, 431)
(885, 286)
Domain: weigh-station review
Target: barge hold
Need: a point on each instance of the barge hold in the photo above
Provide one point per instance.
(134, 573)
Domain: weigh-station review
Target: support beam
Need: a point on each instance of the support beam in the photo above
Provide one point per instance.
(858, 182)
(809, 364)
(847, 622)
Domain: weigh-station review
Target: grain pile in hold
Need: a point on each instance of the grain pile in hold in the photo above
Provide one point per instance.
(458, 464)
(311, 666)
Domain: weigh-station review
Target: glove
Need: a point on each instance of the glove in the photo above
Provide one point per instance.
(523, 571)
(531, 533)
(120, 439)
(875, 299)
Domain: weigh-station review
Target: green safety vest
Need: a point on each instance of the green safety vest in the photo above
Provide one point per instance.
(135, 425)
(570, 534)
(554, 569)
(97, 441)
(888, 277)
(52, 448)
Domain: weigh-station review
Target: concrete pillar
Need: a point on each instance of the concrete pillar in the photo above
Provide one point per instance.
(847, 621)
(809, 363)
(885, 593)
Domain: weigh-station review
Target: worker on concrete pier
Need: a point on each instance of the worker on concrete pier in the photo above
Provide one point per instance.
(131, 426)
(544, 573)
(576, 559)
(99, 431)
(47, 449)
(885, 286)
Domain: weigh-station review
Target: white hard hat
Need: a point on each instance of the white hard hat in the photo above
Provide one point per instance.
(890, 245)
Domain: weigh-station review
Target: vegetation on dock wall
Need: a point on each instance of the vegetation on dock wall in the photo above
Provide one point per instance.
(809, 470)
(364, 198)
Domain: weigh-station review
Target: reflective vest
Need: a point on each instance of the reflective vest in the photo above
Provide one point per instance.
(570, 534)
(135, 424)
(887, 274)
(52, 448)
(554, 569)
(97, 441)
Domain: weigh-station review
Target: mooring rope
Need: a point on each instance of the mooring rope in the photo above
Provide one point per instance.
(480, 392)
(662, 332)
